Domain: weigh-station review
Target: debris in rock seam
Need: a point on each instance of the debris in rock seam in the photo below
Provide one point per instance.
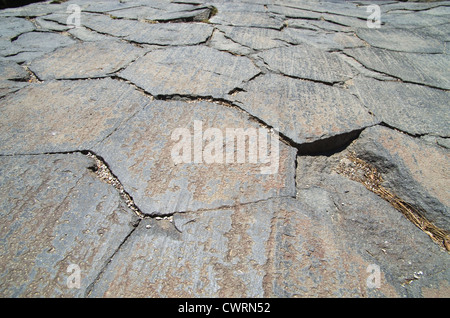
(361, 171)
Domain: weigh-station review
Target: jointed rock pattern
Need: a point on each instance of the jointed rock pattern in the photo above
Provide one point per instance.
(113, 91)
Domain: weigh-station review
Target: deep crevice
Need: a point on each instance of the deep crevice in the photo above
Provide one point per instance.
(384, 124)
(104, 173)
(329, 146)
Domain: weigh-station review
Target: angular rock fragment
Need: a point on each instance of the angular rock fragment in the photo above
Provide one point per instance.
(303, 111)
(416, 109)
(306, 62)
(145, 156)
(58, 221)
(427, 69)
(76, 61)
(412, 169)
(193, 70)
(60, 116)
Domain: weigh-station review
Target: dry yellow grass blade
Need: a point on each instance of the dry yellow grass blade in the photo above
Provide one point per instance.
(361, 171)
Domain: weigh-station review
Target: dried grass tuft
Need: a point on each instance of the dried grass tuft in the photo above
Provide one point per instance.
(363, 172)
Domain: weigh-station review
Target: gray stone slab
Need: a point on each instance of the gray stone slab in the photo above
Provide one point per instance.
(76, 61)
(413, 20)
(442, 10)
(33, 10)
(55, 212)
(87, 35)
(304, 111)
(290, 12)
(172, 33)
(59, 18)
(247, 19)
(307, 62)
(106, 25)
(140, 154)
(193, 70)
(12, 77)
(427, 69)
(255, 38)
(330, 26)
(24, 57)
(351, 22)
(12, 71)
(401, 40)
(277, 248)
(254, 6)
(135, 13)
(200, 15)
(60, 116)
(415, 109)
(219, 253)
(412, 6)
(47, 25)
(170, 6)
(210, 267)
(105, 6)
(337, 7)
(7, 87)
(327, 41)
(11, 27)
(220, 42)
(178, 13)
(440, 32)
(317, 25)
(436, 140)
(361, 69)
(300, 24)
(38, 42)
(368, 230)
(412, 169)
